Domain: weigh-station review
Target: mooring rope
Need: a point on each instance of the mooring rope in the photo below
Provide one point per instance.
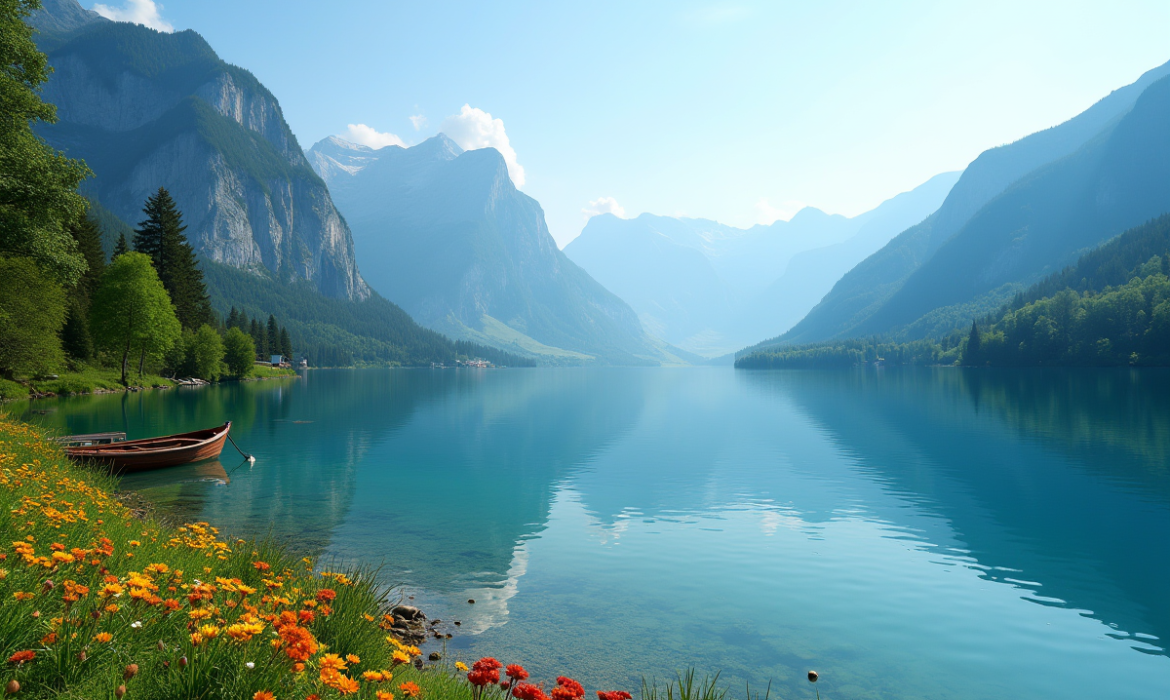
(247, 456)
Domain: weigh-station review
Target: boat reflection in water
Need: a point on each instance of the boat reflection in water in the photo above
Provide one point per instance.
(184, 489)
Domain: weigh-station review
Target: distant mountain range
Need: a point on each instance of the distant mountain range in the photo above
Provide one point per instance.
(710, 288)
(447, 235)
(1018, 213)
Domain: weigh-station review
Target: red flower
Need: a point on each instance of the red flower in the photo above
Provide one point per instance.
(326, 594)
(261, 566)
(21, 656)
(567, 689)
(613, 695)
(483, 676)
(516, 672)
(487, 663)
(527, 691)
(306, 616)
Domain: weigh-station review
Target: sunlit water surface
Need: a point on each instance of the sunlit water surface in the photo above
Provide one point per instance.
(932, 533)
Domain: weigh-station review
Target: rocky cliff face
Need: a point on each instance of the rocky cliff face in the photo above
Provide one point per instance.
(147, 109)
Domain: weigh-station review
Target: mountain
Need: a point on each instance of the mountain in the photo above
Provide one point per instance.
(446, 234)
(711, 288)
(146, 109)
(863, 300)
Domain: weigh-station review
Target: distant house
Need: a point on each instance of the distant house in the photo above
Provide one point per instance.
(277, 359)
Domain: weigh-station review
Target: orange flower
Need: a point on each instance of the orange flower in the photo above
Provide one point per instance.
(103, 637)
(372, 676)
(263, 695)
(410, 690)
(383, 695)
(326, 594)
(21, 656)
(333, 661)
(353, 658)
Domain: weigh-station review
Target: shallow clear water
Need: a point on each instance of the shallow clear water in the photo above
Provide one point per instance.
(930, 533)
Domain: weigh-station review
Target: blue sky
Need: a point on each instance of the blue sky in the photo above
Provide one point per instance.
(738, 111)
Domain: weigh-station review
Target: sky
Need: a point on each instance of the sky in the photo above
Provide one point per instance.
(741, 112)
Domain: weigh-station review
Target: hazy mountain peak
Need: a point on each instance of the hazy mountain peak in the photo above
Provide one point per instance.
(62, 16)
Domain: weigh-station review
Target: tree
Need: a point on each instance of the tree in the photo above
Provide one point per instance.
(205, 353)
(972, 354)
(121, 246)
(273, 335)
(233, 319)
(161, 237)
(131, 312)
(38, 190)
(32, 309)
(259, 337)
(286, 344)
(239, 352)
(75, 334)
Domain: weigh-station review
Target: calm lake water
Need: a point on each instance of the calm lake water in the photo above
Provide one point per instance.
(931, 533)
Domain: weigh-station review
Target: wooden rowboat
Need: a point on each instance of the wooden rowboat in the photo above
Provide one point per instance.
(155, 453)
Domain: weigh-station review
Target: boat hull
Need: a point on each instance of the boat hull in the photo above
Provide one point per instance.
(155, 453)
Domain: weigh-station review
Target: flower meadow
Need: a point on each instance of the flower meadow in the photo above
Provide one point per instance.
(96, 603)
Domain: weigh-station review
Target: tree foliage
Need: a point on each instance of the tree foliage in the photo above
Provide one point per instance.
(161, 237)
(198, 353)
(131, 313)
(38, 184)
(75, 335)
(239, 352)
(32, 309)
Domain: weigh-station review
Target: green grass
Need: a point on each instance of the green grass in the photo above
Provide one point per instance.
(88, 379)
(262, 372)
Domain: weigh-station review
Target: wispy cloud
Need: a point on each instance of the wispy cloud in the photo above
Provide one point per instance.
(369, 136)
(144, 12)
(419, 121)
(604, 205)
(767, 214)
(474, 128)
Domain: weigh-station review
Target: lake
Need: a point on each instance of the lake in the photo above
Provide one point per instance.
(933, 533)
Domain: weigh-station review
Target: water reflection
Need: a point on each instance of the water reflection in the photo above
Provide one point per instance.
(1056, 482)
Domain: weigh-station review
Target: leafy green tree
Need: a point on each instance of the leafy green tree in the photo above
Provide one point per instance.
(161, 237)
(32, 309)
(131, 312)
(239, 352)
(205, 351)
(75, 335)
(38, 188)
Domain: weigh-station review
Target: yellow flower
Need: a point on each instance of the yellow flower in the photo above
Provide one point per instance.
(372, 676)
(400, 657)
(135, 543)
(353, 658)
(333, 661)
(209, 631)
(199, 614)
(460, 666)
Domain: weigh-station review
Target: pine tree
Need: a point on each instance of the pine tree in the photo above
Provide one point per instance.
(286, 344)
(233, 319)
(75, 335)
(260, 337)
(121, 246)
(273, 336)
(972, 354)
(161, 237)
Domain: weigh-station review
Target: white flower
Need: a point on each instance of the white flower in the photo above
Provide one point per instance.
(137, 624)
(249, 665)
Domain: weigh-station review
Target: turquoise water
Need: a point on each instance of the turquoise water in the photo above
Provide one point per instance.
(932, 533)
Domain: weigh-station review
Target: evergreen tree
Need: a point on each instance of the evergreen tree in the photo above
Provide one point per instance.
(233, 319)
(75, 334)
(972, 354)
(161, 237)
(38, 189)
(121, 246)
(286, 344)
(273, 336)
(259, 337)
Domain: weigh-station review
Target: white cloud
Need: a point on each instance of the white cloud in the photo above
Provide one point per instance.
(474, 128)
(767, 214)
(144, 12)
(369, 136)
(604, 205)
(419, 121)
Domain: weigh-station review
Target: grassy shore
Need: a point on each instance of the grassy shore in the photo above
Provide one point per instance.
(95, 600)
(99, 604)
(91, 380)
